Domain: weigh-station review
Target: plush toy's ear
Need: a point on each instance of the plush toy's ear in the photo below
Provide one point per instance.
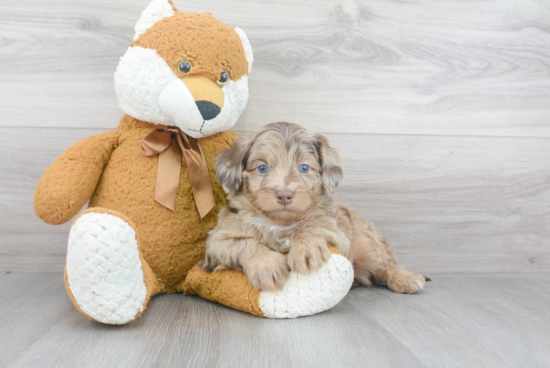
(230, 164)
(331, 164)
(247, 47)
(157, 10)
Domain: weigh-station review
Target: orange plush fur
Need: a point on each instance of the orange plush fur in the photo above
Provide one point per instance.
(197, 31)
(109, 170)
(123, 180)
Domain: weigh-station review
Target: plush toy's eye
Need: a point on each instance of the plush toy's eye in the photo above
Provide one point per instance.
(304, 169)
(262, 169)
(224, 77)
(184, 67)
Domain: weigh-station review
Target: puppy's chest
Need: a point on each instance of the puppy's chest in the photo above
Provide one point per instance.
(279, 238)
(282, 245)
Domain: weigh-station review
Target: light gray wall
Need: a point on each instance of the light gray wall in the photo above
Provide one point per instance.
(441, 110)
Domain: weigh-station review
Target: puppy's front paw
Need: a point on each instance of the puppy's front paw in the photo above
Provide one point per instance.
(308, 256)
(268, 272)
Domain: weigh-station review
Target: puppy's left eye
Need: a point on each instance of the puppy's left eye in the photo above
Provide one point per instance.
(262, 169)
(304, 169)
(224, 77)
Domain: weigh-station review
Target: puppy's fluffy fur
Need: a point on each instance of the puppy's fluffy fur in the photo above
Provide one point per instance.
(276, 208)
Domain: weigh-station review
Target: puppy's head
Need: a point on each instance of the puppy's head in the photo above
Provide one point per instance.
(281, 169)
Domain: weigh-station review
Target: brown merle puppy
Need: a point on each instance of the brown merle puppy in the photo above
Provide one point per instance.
(277, 182)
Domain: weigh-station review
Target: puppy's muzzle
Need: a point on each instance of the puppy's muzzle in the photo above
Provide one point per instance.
(208, 96)
(284, 197)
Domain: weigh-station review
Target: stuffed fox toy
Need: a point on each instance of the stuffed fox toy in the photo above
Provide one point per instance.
(152, 192)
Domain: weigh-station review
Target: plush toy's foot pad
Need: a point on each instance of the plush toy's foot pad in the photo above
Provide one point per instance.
(303, 295)
(104, 270)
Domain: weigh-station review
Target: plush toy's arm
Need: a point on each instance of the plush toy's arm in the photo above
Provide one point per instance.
(69, 182)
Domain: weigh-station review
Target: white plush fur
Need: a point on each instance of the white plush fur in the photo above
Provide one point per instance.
(157, 10)
(104, 269)
(177, 103)
(247, 48)
(236, 95)
(304, 295)
(140, 78)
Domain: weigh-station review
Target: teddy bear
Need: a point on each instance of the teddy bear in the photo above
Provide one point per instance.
(150, 185)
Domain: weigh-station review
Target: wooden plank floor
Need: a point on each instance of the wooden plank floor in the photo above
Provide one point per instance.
(498, 320)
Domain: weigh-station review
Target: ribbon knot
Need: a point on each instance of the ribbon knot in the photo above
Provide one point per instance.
(171, 144)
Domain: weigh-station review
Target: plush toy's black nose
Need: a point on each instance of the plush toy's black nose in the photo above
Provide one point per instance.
(208, 110)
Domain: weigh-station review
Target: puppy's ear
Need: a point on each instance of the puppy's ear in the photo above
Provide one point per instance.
(331, 164)
(230, 165)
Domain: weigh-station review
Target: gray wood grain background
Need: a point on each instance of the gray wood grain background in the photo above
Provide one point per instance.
(441, 110)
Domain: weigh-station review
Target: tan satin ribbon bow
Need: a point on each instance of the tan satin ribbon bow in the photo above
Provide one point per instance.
(170, 144)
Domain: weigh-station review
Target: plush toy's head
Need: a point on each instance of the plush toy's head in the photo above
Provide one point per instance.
(184, 69)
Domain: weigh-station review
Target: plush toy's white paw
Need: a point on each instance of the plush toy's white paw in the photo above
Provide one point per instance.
(104, 269)
(304, 295)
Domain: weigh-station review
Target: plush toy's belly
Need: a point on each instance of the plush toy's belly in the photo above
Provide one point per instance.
(170, 241)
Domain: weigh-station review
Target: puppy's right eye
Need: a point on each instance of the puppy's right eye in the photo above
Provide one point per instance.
(184, 67)
(262, 169)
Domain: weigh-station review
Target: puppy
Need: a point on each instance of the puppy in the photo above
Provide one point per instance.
(278, 180)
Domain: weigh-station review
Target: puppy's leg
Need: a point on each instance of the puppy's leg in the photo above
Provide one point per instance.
(374, 261)
(401, 280)
(309, 252)
(265, 269)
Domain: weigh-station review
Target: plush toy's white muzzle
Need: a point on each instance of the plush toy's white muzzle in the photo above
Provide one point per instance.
(192, 111)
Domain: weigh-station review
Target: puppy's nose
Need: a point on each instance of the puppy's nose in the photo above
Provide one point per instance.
(208, 110)
(284, 197)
